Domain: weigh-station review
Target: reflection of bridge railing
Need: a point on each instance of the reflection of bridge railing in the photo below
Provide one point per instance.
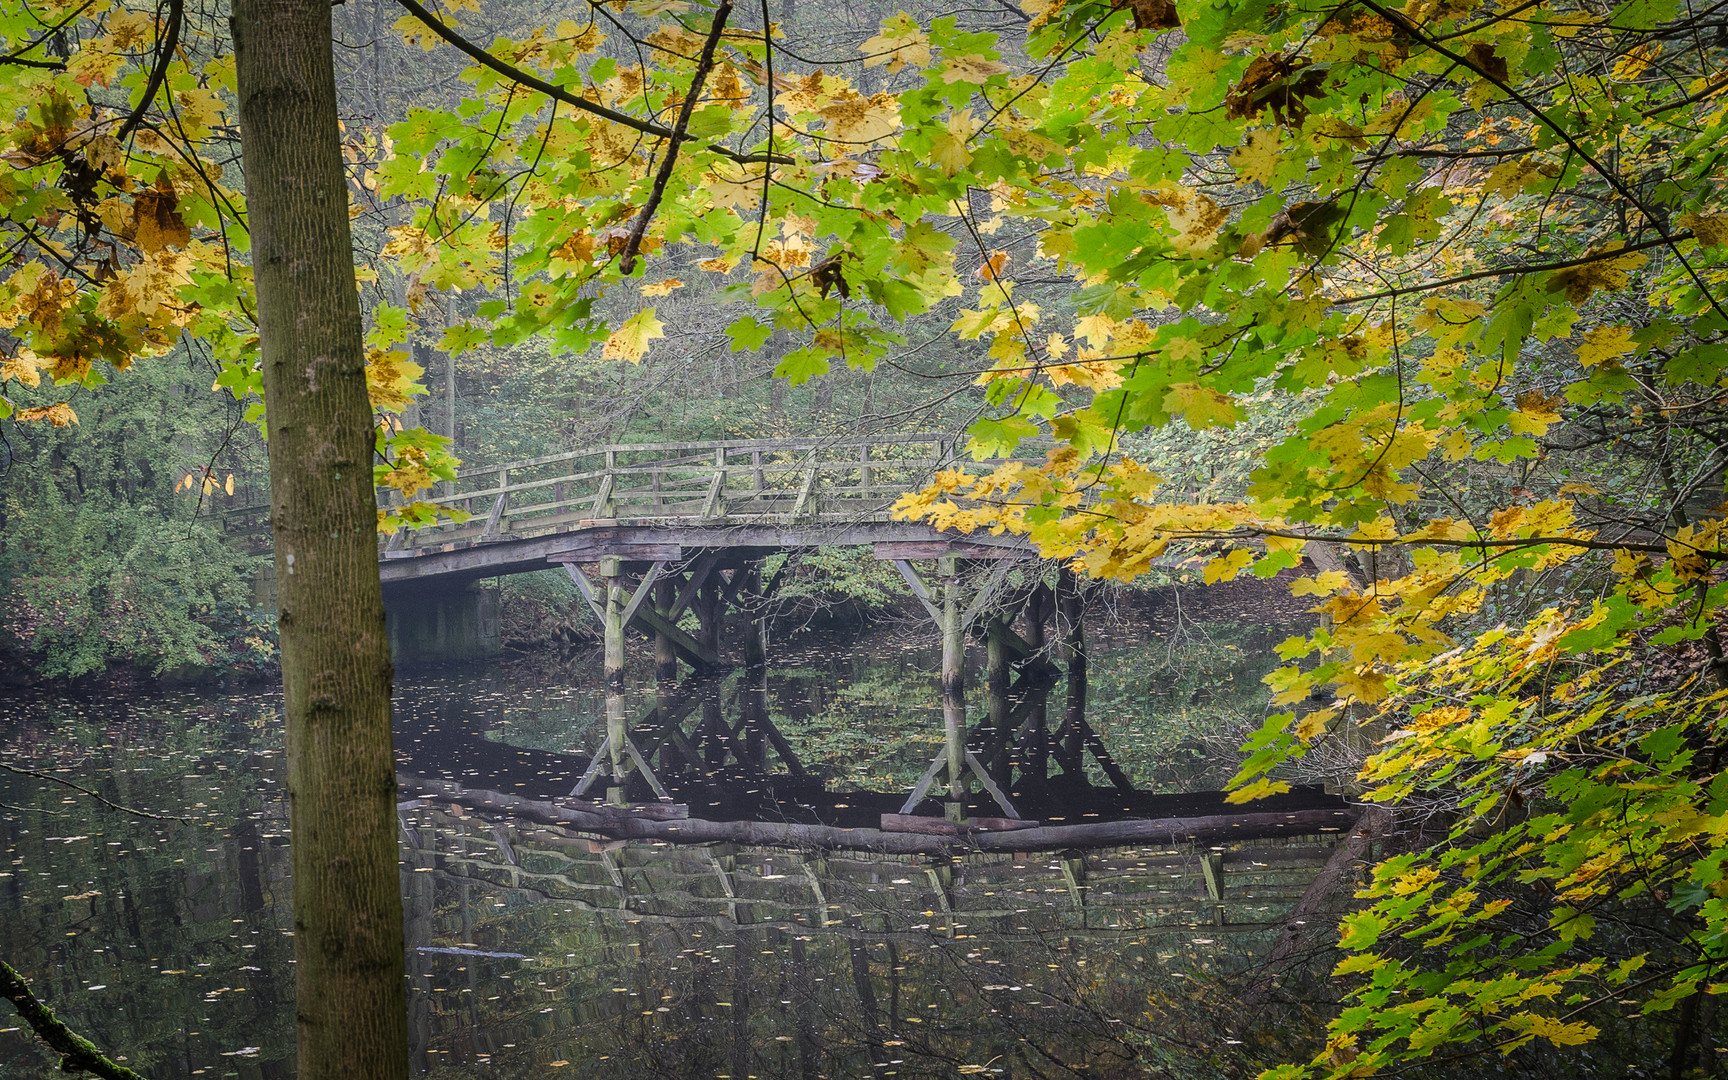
(751, 480)
(1241, 886)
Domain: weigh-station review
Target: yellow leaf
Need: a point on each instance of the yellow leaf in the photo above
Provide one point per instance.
(1201, 406)
(971, 68)
(900, 44)
(1455, 445)
(1096, 329)
(59, 414)
(414, 32)
(1604, 343)
(1320, 584)
(229, 486)
(630, 341)
(1257, 156)
(948, 149)
(1226, 567)
(1259, 789)
(661, 288)
(1710, 229)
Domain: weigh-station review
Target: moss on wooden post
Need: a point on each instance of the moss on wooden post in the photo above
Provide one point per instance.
(616, 733)
(953, 687)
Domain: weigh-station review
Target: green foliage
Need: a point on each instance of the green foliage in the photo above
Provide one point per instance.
(1581, 880)
(107, 547)
(829, 577)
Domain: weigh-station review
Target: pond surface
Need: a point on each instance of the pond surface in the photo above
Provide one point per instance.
(536, 950)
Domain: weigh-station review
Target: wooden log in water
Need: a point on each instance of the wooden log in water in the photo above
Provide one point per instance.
(628, 825)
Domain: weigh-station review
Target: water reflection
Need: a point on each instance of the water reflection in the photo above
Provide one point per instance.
(687, 961)
(169, 941)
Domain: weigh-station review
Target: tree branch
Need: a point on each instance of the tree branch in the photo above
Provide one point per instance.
(558, 93)
(76, 1052)
(92, 794)
(704, 64)
(1508, 271)
(165, 47)
(1398, 18)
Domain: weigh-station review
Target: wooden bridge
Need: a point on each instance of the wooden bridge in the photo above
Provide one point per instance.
(662, 502)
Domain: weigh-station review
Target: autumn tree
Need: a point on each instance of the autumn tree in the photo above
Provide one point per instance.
(1473, 252)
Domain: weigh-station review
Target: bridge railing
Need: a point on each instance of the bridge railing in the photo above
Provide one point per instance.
(759, 480)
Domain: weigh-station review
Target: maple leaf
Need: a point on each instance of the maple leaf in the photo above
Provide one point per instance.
(391, 379)
(59, 414)
(1578, 282)
(662, 288)
(1154, 14)
(155, 222)
(1095, 329)
(1604, 343)
(1710, 229)
(1278, 83)
(1201, 406)
(971, 68)
(948, 149)
(630, 341)
(1257, 157)
(853, 118)
(900, 44)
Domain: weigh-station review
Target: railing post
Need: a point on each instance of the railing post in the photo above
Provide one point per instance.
(715, 506)
(864, 466)
(757, 478)
(606, 508)
(504, 500)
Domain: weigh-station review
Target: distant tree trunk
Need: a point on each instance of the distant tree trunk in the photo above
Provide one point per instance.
(351, 1007)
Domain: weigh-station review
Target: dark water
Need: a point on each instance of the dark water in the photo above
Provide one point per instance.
(536, 951)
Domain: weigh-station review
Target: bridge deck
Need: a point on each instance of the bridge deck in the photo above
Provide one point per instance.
(659, 502)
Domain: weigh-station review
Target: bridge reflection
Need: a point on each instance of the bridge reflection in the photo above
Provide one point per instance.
(538, 944)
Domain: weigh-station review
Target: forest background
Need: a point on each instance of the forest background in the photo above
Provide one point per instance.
(1439, 283)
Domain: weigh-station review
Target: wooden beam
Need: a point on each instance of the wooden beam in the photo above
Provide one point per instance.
(627, 552)
(804, 492)
(643, 589)
(682, 641)
(919, 589)
(1011, 640)
(687, 592)
(936, 548)
(986, 593)
(695, 652)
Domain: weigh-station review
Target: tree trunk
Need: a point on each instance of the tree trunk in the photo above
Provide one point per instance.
(351, 1009)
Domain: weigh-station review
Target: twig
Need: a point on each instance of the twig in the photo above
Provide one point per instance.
(704, 64)
(558, 93)
(165, 47)
(1520, 269)
(76, 1052)
(92, 794)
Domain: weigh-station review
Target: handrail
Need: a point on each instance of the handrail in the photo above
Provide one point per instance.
(701, 481)
(802, 442)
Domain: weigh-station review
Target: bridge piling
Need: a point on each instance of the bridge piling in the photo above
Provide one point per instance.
(614, 663)
(953, 688)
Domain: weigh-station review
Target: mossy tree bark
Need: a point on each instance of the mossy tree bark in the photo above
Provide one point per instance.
(351, 1007)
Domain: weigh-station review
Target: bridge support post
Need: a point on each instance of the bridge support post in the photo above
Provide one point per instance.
(1071, 740)
(614, 646)
(1034, 754)
(996, 694)
(666, 667)
(953, 687)
(753, 692)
